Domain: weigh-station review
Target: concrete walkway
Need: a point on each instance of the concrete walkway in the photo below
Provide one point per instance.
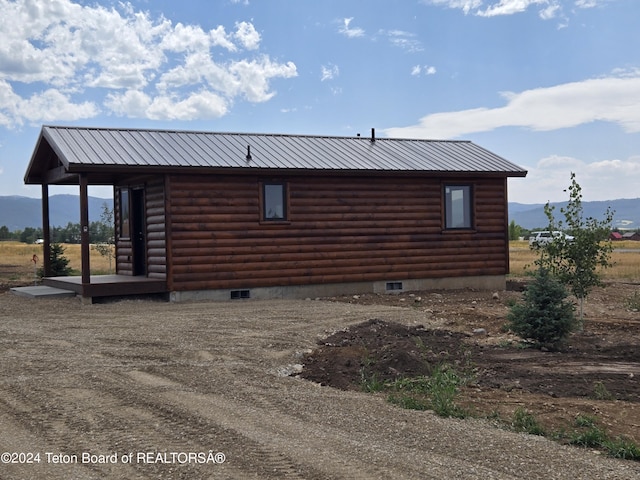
(42, 291)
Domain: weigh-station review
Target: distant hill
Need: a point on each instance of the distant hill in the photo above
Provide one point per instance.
(17, 212)
(626, 213)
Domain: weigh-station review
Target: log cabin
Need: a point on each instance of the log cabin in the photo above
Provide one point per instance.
(206, 215)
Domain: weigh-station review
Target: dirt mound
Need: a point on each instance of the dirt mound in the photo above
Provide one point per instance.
(595, 374)
(381, 349)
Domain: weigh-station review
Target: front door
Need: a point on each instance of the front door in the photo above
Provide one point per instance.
(138, 235)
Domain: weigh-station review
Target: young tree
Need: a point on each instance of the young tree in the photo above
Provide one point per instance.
(106, 226)
(577, 262)
(515, 230)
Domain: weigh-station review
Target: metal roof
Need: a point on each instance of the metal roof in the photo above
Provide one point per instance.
(82, 149)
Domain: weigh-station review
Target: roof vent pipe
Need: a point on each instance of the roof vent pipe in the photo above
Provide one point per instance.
(373, 135)
(248, 153)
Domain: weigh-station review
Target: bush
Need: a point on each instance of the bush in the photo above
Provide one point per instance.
(59, 263)
(545, 317)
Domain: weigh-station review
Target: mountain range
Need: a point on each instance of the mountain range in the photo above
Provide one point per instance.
(17, 212)
(626, 213)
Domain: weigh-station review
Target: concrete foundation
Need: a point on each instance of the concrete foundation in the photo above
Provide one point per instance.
(489, 283)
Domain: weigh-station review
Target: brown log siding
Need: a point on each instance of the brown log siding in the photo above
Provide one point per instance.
(156, 229)
(339, 230)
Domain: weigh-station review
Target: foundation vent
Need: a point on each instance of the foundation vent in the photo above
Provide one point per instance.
(394, 286)
(240, 294)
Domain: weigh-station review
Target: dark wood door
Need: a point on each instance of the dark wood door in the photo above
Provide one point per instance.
(138, 235)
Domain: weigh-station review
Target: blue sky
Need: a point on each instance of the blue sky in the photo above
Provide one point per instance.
(552, 85)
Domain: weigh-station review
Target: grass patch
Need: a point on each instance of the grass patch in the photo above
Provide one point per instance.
(633, 302)
(526, 422)
(437, 392)
(600, 392)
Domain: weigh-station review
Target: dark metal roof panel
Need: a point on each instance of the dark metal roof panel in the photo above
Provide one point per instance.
(158, 148)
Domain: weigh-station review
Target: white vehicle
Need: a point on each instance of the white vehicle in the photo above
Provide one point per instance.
(539, 239)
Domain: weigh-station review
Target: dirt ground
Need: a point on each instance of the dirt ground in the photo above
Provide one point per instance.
(595, 374)
(147, 390)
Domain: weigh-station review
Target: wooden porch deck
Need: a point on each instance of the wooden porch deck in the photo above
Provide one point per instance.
(108, 285)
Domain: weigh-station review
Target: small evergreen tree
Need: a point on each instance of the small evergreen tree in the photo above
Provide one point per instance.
(545, 317)
(59, 263)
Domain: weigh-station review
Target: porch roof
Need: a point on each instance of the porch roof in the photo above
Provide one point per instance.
(102, 153)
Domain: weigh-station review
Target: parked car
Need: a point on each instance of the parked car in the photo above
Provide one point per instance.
(39, 241)
(539, 239)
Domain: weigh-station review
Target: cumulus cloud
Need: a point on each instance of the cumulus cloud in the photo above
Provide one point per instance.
(46, 106)
(134, 64)
(614, 99)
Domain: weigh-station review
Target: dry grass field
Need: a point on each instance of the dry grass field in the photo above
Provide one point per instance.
(625, 258)
(17, 268)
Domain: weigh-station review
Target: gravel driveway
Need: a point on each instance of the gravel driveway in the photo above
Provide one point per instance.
(142, 389)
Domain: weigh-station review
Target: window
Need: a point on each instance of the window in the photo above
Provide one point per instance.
(457, 206)
(124, 213)
(274, 201)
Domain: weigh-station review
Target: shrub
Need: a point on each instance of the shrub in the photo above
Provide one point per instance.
(59, 263)
(545, 317)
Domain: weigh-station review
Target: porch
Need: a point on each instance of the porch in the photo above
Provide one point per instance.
(108, 285)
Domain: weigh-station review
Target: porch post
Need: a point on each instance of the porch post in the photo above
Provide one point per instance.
(46, 232)
(84, 230)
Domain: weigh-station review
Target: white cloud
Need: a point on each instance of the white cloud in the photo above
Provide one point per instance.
(610, 99)
(348, 31)
(550, 12)
(418, 70)
(601, 180)
(404, 40)
(465, 5)
(589, 3)
(549, 9)
(61, 48)
(509, 7)
(203, 105)
(47, 106)
(247, 35)
(329, 72)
